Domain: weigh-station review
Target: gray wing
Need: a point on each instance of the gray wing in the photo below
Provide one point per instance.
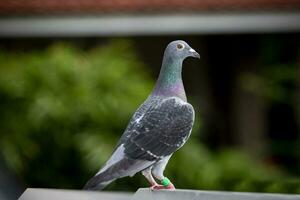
(162, 130)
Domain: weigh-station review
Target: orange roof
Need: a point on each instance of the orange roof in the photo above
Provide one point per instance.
(11, 7)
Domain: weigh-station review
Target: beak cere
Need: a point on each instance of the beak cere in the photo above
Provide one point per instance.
(194, 53)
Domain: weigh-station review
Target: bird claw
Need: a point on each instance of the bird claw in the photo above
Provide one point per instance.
(161, 187)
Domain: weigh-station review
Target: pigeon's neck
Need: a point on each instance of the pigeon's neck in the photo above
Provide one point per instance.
(169, 82)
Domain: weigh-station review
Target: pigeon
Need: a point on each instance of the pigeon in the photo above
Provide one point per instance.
(159, 127)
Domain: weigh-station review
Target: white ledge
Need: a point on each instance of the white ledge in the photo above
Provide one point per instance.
(59, 194)
(146, 194)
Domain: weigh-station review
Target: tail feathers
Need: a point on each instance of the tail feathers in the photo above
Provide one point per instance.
(96, 183)
(102, 178)
(124, 167)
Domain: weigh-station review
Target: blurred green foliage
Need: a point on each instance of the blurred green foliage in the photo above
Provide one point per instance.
(63, 109)
(277, 73)
(275, 81)
(271, 83)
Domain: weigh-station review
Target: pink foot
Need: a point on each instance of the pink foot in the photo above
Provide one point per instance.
(161, 187)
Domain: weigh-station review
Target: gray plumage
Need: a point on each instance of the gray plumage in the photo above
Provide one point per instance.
(159, 127)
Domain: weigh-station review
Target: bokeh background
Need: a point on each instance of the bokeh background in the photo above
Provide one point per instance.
(73, 72)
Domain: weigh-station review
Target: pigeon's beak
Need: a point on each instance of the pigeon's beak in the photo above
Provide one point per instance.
(194, 53)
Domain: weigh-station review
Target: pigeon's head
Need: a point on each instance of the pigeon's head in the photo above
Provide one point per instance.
(179, 49)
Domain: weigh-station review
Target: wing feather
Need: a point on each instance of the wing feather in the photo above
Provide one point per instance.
(161, 130)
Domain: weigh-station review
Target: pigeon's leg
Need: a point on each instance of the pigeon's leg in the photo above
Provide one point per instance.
(149, 177)
(158, 172)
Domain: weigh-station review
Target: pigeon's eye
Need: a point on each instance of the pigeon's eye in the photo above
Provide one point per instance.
(180, 46)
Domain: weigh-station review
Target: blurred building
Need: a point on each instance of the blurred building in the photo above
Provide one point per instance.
(122, 17)
(232, 37)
